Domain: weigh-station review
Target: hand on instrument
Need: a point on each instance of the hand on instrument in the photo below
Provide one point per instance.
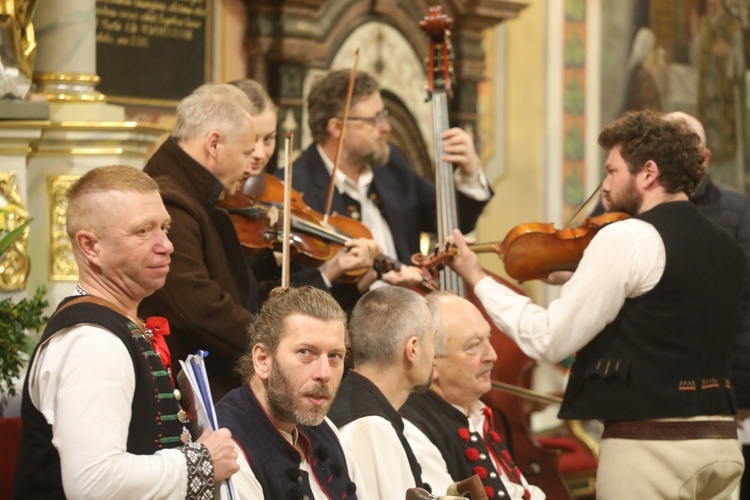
(458, 148)
(466, 262)
(406, 276)
(223, 455)
(357, 253)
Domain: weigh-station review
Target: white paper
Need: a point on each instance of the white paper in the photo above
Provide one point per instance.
(197, 402)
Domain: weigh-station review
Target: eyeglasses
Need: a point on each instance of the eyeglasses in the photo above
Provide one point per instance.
(378, 119)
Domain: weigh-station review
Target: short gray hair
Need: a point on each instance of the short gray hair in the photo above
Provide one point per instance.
(382, 320)
(441, 338)
(213, 106)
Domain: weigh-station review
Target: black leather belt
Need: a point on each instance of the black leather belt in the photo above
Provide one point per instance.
(671, 430)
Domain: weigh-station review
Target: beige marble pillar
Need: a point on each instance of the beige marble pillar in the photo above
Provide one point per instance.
(65, 68)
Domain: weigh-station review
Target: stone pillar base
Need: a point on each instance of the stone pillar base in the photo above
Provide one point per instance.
(68, 87)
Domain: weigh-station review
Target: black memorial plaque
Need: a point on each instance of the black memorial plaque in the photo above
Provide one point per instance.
(151, 51)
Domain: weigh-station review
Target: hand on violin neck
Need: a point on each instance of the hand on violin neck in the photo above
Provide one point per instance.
(358, 253)
(465, 262)
(406, 276)
(458, 148)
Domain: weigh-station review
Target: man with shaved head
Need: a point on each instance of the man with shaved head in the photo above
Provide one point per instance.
(101, 417)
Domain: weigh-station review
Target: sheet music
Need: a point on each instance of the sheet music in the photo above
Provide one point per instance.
(198, 403)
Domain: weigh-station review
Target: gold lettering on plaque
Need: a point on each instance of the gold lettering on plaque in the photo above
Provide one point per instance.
(134, 23)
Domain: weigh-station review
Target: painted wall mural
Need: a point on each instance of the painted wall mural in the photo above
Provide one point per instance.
(691, 56)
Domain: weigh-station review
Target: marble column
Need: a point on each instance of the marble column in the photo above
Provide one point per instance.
(65, 68)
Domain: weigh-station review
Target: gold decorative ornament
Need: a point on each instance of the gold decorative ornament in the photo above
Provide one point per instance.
(62, 261)
(15, 262)
(17, 37)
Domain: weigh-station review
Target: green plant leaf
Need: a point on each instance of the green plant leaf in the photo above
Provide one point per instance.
(12, 236)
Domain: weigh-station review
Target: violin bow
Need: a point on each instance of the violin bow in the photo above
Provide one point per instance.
(287, 221)
(583, 205)
(344, 118)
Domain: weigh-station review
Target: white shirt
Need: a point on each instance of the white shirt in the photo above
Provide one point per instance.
(474, 186)
(624, 260)
(434, 468)
(249, 488)
(83, 382)
(381, 458)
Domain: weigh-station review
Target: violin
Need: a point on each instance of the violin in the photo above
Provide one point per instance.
(535, 249)
(257, 210)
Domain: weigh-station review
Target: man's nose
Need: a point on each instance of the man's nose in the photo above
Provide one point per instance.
(164, 244)
(490, 355)
(322, 369)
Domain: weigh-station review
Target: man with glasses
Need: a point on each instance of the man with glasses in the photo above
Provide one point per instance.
(374, 182)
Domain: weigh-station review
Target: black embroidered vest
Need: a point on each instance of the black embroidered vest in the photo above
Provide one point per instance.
(668, 352)
(153, 424)
(275, 462)
(464, 453)
(358, 398)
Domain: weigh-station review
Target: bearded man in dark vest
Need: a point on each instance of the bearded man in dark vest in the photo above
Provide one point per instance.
(288, 449)
(651, 313)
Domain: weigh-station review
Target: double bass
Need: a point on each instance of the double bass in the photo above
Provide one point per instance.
(538, 464)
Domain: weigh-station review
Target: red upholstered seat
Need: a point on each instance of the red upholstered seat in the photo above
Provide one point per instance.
(10, 440)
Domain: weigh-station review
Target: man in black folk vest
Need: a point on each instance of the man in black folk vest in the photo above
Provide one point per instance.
(455, 431)
(100, 413)
(391, 335)
(277, 418)
(651, 312)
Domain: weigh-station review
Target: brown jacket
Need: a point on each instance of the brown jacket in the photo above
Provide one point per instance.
(209, 291)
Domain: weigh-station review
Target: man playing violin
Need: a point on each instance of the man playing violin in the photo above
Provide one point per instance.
(357, 252)
(374, 182)
(211, 294)
(453, 430)
(651, 312)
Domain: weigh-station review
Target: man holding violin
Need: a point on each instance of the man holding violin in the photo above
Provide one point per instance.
(373, 181)
(651, 312)
(211, 294)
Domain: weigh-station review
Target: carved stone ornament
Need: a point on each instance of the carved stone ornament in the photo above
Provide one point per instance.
(15, 262)
(62, 261)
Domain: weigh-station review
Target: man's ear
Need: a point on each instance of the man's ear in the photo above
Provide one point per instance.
(411, 352)
(211, 144)
(652, 174)
(334, 127)
(261, 361)
(88, 244)
(706, 156)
